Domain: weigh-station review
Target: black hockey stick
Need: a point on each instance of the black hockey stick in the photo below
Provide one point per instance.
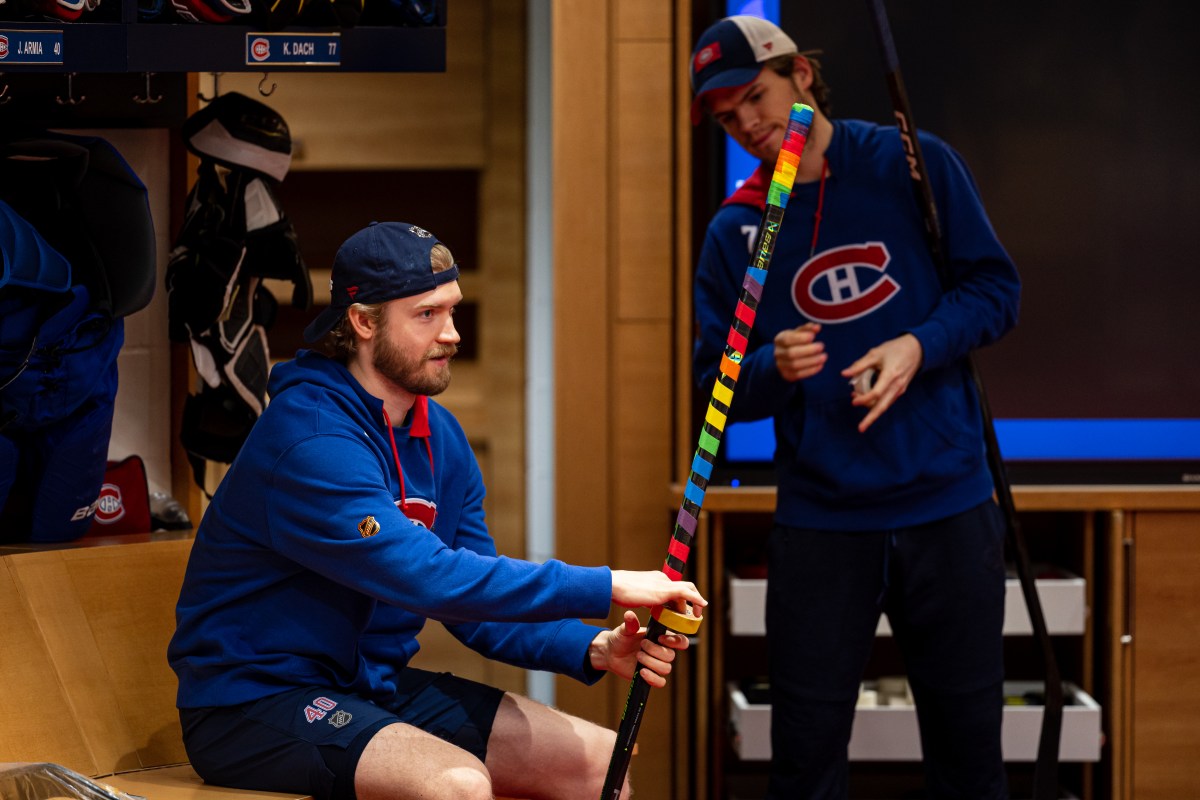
(1045, 778)
(664, 619)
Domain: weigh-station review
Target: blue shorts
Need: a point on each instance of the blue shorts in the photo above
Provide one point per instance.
(309, 740)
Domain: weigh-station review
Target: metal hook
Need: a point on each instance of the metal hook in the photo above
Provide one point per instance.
(148, 98)
(267, 92)
(71, 100)
(216, 78)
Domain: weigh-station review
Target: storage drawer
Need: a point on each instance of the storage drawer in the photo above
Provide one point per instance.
(1063, 605)
(889, 733)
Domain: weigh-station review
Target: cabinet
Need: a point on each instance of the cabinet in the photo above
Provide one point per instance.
(1154, 610)
(1125, 628)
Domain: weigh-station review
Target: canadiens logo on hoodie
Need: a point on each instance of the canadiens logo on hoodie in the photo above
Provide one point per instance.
(419, 510)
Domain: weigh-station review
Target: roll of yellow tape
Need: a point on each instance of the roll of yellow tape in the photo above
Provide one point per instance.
(674, 621)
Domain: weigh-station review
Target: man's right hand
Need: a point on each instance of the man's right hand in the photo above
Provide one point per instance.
(798, 354)
(650, 589)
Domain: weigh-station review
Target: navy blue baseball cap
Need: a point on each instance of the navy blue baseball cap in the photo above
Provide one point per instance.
(731, 53)
(383, 261)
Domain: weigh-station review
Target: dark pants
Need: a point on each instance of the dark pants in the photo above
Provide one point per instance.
(942, 586)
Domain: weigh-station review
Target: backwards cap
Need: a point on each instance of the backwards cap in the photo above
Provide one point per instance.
(384, 261)
(731, 54)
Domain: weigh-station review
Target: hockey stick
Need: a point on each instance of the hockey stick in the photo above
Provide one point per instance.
(1045, 780)
(664, 619)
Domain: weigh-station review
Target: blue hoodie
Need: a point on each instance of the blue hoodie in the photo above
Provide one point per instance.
(306, 571)
(869, 279)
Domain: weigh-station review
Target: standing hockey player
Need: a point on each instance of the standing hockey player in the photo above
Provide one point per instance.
(860, 357)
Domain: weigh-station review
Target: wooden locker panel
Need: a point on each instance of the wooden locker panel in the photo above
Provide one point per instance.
(1165, 723)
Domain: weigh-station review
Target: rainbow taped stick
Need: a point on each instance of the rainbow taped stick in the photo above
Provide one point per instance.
(664, 619)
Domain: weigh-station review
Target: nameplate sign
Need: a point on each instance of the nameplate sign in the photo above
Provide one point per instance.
(293, 49)
(30, 47)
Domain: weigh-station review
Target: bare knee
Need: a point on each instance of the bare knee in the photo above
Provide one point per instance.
(599, 753)
(450, 783)
(403, 762)
(465, 783)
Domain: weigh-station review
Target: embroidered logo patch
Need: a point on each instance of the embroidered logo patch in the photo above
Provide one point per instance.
(706, 56)
(844, 283)
(339, 718)
(368, 527)
(109, 506)
(319, 707)
(419, 510)
(420, 233)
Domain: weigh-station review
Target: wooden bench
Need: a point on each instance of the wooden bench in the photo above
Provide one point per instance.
(84, 667)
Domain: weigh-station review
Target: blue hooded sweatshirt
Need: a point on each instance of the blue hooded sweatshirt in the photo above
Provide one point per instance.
(327, 546)
(867, 278)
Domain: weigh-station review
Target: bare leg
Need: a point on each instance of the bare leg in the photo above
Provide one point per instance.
(405, 763)
(544, 754)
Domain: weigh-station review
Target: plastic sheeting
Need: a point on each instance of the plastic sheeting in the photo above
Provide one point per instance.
(53, 782)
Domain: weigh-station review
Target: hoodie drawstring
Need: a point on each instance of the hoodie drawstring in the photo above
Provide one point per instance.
(396, 454)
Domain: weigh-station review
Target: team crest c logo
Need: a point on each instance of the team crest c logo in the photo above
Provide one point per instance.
(109, 507)
(419, 510)
(844, 283)
(260, 49)
(420, 232)
(368, 527)
(3, 47)
(706, 56)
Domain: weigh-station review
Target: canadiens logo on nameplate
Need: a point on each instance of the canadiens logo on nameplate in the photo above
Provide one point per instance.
(368, 527)
(294, 49)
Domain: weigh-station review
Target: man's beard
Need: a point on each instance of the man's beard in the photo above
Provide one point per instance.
(409, 373)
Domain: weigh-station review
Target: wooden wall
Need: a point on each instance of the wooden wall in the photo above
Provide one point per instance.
(616, 125)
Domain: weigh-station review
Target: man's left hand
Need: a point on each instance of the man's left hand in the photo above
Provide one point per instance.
(895, 363)
(625, 647)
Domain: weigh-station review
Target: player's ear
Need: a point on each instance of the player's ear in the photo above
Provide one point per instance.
(802, 73)
(364, 325)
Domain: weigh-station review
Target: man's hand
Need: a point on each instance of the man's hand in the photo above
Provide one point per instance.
(621, 650)
(798, 354)
(895, 363)
(652, 588)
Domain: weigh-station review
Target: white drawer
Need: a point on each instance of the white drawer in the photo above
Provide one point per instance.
(889, 733)
(1063, 600)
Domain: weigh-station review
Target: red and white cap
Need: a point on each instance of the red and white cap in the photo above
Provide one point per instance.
(731, 53)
